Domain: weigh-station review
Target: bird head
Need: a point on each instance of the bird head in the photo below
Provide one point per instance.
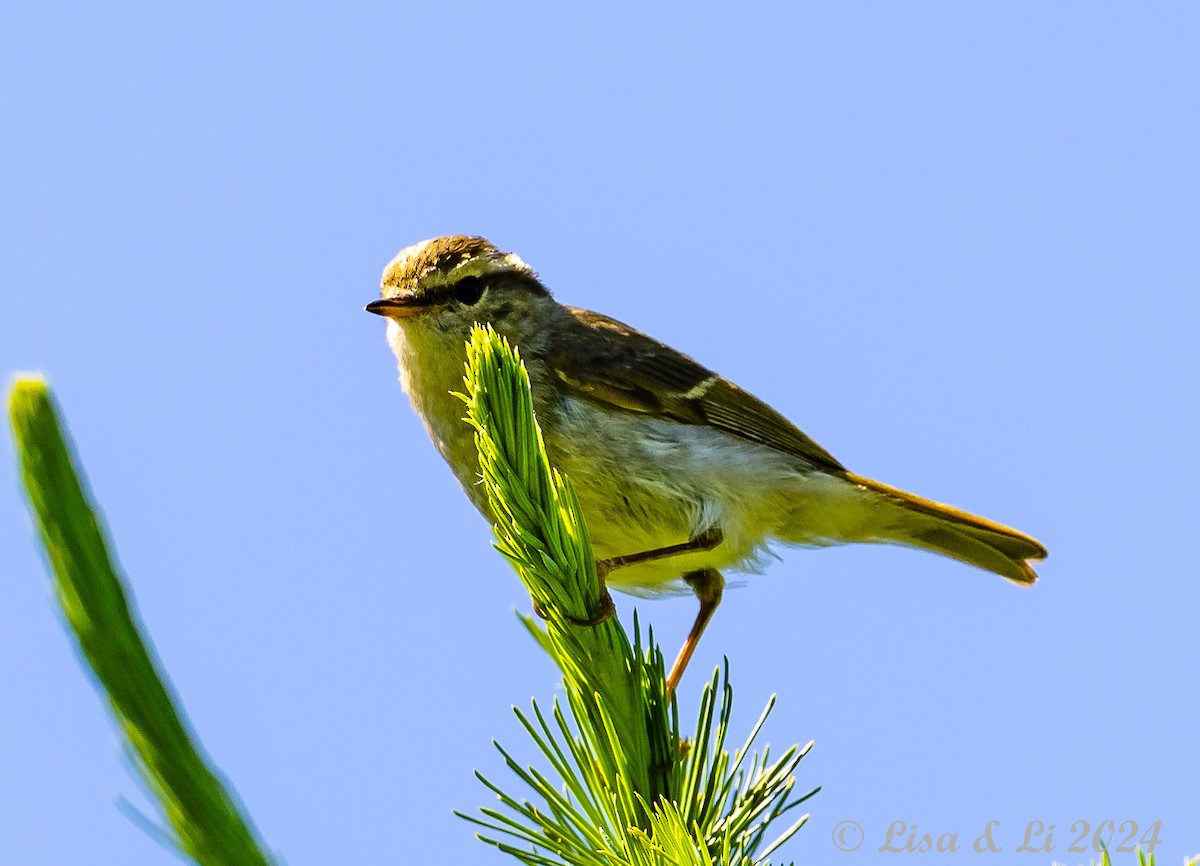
(449, 283)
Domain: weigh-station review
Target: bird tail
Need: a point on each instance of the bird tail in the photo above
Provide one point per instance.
(946, 530)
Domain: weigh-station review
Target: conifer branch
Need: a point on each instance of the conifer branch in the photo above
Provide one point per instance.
(629, 791)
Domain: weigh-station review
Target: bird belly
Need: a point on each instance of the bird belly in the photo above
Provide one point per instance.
(645, 483)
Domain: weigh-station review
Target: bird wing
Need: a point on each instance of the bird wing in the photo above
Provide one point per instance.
(607, 361)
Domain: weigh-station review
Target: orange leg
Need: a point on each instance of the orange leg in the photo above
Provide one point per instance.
(708, 585)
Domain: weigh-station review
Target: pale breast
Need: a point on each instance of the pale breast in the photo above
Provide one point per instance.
(431, 371)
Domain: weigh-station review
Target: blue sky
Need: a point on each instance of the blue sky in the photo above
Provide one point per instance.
(955, 243)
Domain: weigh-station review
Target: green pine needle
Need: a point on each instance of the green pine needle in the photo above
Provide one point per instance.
(208, 823)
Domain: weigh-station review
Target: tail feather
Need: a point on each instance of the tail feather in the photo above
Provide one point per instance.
(951, 532)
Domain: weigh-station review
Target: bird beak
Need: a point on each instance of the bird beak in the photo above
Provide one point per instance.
(399, 307)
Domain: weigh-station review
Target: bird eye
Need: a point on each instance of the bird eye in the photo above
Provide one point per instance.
(468, 290)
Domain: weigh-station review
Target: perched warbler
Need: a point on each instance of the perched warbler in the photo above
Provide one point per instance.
(680, 473)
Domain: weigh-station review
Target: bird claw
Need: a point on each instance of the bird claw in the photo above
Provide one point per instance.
(604, 611)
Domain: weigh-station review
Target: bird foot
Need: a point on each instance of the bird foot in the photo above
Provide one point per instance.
(604, 611)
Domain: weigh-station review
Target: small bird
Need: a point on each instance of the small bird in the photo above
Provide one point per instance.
(681, 474)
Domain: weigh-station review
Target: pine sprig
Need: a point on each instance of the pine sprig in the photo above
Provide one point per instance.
(539, 529)
(626, 791)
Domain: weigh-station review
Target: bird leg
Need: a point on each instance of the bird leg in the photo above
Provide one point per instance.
(706, 540)
(708, 585)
